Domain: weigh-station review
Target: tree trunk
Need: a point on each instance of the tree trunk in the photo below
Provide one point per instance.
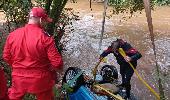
(55, 12)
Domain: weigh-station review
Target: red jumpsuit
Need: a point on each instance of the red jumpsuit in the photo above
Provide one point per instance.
(32, 53)
(3, 86)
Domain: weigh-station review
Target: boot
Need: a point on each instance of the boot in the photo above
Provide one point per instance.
(121, 85)
(128, 88)
(128, 94)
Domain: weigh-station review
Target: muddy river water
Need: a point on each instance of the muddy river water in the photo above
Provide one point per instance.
(83, 45)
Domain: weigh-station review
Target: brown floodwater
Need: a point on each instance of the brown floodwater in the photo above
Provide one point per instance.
(135, 31)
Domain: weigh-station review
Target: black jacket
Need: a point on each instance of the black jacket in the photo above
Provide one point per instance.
(129, 50)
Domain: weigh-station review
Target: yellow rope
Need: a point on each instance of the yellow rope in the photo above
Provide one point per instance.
(107, 91)
(94, 71)
(121, 51)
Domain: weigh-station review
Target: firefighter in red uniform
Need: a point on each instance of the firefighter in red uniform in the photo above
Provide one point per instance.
(33, 56)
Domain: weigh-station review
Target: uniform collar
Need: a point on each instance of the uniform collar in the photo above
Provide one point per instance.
(34, 25)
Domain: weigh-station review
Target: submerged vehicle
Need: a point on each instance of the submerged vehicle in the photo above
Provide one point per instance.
(78, 86)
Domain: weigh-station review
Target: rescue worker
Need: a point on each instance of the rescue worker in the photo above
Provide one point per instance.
(33, 56)
(3, 85)
(126, 70)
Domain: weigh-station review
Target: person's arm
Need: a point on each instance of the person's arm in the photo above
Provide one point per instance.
(106, 52)
(132, 51)
(53, 54)
(6, 52)
(136, 56)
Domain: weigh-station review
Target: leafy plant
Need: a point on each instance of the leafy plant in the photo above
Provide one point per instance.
(16, 11)
(2, 63)
(65, 19)
(162, 2)
(127, 6)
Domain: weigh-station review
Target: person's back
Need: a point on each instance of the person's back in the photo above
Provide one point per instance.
(33, 55)
(28, 46)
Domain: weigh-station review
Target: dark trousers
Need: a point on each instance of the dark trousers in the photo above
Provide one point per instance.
(126, 72)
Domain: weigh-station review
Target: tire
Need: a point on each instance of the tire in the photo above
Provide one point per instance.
(109, 73)
(70, 73)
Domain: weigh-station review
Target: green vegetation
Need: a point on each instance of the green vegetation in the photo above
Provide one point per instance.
(131, 6)
(16, 12)
(162, 2)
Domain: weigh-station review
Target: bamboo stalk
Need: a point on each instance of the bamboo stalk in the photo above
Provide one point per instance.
(103, 24)
(150, 25)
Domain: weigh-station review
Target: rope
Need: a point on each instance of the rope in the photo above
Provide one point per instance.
(95, 69)
(107, 91)
(121, 51)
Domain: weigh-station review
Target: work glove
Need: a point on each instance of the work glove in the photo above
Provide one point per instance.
(127, 58)
(100, 58)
